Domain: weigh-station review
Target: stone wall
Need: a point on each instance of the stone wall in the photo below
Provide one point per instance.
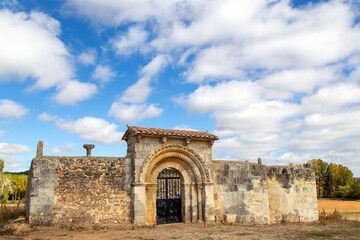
(241, 192)
(292, 194)
(248, 192)
(86, 189)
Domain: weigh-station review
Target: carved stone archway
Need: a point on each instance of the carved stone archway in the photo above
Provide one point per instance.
(196, 185)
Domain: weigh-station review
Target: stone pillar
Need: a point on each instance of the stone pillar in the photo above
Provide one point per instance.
(150, 203)
(88, 148)
(138, 196)
(39, 150)
(186, 203)
(199, 203)
(209, 213)
(194, 203)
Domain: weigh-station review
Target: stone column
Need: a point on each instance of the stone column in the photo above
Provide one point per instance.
(200, 202)
(138, 196)
(150, 203)
(186, 202)
(194, 203)
(209, 213)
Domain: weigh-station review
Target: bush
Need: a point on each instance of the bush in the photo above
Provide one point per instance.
(330, 217)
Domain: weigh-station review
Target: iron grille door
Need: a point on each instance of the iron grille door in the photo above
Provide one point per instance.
(168, 197)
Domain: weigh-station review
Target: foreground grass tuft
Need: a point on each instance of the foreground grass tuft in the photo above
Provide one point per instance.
(330, 217)
(320, 234)
(8, 213)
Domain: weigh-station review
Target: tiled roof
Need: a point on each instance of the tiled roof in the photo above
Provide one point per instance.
(169, 132)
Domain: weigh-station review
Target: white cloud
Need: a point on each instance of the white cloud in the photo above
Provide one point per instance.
(224, 96)
(299, 80)
(332, 98)
(44, 117)
(11, 162)
(115, 13)
(103, 73)
(88, 57)
(70, 92)
(130, 42)
(185, 127)
(11, 109)
(30, 47)
(63, 150)
(140, 91)
(130, 113)
(89, 128)
(6, 148)
(130, 107)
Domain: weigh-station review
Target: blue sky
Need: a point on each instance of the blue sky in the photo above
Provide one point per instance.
(275, 79)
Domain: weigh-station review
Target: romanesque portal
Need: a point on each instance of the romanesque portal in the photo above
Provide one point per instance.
(167, 176)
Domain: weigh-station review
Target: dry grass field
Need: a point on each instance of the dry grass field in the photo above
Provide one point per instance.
(331, 228)
(349, 209)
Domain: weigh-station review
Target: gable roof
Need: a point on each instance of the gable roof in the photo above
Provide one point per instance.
(145, 131)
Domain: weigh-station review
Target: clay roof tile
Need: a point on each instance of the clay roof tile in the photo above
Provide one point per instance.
(169, 132)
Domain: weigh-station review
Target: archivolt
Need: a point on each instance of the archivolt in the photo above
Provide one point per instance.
(183, 155)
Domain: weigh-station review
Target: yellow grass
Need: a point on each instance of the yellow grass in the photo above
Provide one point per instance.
(349, 209)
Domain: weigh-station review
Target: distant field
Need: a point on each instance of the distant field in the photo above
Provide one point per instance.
(349, 209)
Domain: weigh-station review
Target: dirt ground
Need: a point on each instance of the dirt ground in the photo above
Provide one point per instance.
(338, 230)
(198, 231)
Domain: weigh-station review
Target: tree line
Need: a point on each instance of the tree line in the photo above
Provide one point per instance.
(334, 180)
(12, 186)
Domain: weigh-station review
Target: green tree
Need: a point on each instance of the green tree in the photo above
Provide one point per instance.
(344, 181)
(355, 189)
(319, 167)
(330, 180)
(1, 165)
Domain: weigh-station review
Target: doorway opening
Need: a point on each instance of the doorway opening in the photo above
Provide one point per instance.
(168, 197)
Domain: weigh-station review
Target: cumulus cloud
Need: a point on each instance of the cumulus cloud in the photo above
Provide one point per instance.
(6, 148)
(11, 109)
(138, 92)
(11, 162)
(130, 42)
(130, 113)
(334, 97)
(70, 92)
(88, 128)
(88, 57)
(130, 107)
(103, 74)
(30, 47)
